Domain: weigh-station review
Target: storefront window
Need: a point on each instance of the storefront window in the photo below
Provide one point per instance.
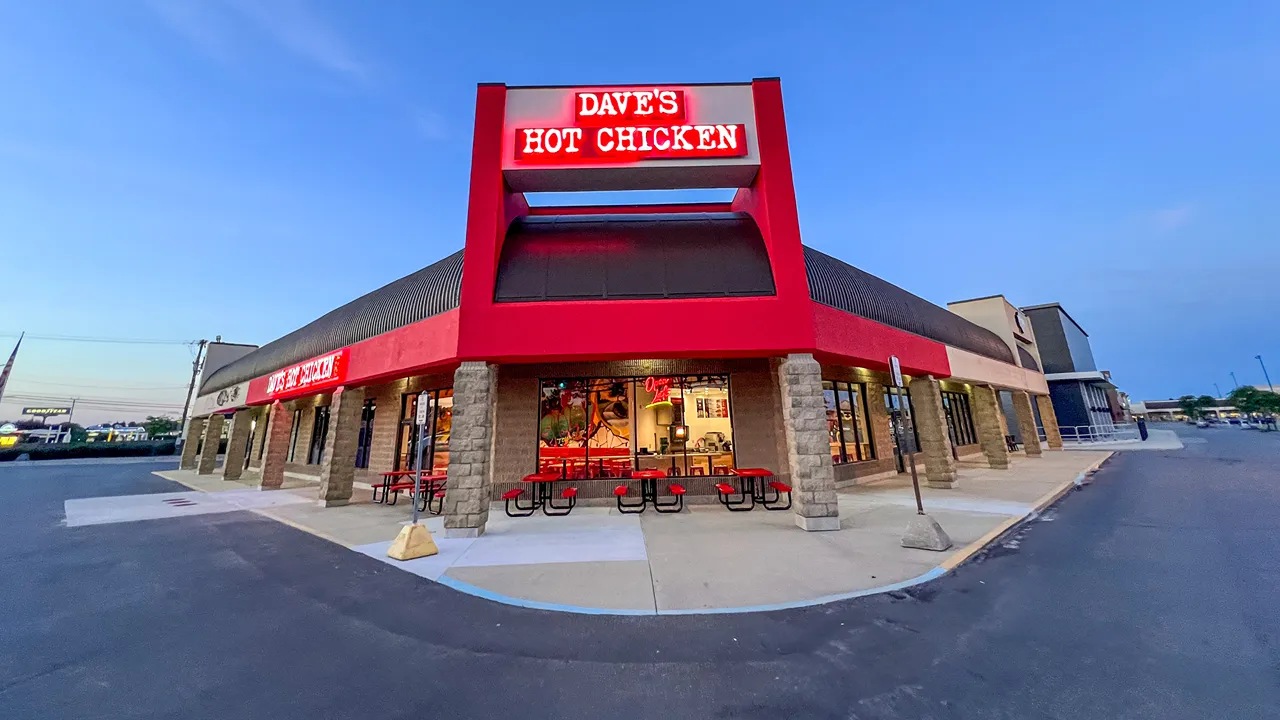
(438, 427)
(293, 435)
(606, 427)
(894, 402)
(365, 440)
(319, 434)
(959, 418)
(847, 427)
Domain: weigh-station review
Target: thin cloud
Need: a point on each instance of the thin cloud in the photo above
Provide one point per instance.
(214, 27)
(1170, 219)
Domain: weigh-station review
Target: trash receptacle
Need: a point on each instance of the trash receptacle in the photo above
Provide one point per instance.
(1142, 428)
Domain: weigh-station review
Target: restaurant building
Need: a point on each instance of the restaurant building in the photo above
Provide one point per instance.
(596, 341)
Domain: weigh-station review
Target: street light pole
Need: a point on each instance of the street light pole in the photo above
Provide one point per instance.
(1234, 383)
(1264, 373)
(1218, 390)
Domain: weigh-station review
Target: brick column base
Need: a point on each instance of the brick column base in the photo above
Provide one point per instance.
(237, 444)
(209, 451)
(470, 451)
(804, 423)
(931, 423)
(195, 429)
(276, 450)
(1026, 423)
(1053, 435)
(990, 425)
(338, 464)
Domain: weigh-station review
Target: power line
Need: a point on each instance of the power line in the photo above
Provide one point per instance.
(90, 339)
(100, 385)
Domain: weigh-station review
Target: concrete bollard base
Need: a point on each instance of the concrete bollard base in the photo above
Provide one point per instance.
(924, 533)
(414, 541)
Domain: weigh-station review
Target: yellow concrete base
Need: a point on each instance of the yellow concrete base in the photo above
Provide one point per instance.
(414, 541)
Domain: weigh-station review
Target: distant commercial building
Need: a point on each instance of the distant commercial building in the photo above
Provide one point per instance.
(1083, 395)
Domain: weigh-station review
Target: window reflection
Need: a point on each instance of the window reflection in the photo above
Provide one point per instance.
(607, 427)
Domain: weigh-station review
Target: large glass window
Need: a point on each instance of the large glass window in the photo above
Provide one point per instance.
(959, 418)
(894, 402)
(439, 425)
(319, 435)
(364, 442)
(607, 427)
(847, 428)
(293, 435)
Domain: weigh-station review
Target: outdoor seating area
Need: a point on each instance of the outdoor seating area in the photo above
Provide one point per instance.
(431, 493)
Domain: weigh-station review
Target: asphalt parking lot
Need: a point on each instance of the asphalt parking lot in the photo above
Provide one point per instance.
(1150, 593)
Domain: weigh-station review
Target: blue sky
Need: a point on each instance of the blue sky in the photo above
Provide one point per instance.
(178, 169)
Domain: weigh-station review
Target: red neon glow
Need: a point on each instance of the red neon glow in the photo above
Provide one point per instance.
(639, 106)
(567, 146)
(324, 371)
(660, 387)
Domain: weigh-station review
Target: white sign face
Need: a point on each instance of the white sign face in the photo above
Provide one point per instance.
(423, 401)
(8, 428)
(896, 368)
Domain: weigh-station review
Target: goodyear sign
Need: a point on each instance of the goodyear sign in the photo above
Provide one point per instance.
(46, 411)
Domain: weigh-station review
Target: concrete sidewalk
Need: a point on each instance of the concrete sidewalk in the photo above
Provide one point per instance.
(704, 559)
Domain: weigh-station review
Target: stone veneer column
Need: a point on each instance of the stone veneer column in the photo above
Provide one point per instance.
(209, 451)
(470, 451)
(1026, 423)
(990, 425)
(237, 444)
(276, 450)
(931, 423)
(804, 423)
(1053, 435)
(195, 428)
(338, 463)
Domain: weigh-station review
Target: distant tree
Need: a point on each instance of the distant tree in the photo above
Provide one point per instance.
(1252, 401)
(158, 425)
(1193, 407)
(78, 433)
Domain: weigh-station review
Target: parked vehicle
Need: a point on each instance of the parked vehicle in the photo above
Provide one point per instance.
(1202, 424)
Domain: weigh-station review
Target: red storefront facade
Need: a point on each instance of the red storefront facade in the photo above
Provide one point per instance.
(706, 331)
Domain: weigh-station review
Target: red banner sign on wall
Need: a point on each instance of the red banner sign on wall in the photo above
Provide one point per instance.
(325, 371)
(629, 126)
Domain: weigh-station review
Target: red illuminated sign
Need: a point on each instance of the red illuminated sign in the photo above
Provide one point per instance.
(628, 126)
(660, 387)
(324, 371)
(629, 107)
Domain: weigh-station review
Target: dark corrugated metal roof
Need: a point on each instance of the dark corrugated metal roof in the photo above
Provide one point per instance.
(430, 291)
(845, 287)
(1028, 360)
(633, 257)
(435, 289)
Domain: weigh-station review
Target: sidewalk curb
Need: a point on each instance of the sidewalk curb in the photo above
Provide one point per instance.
(946, 566)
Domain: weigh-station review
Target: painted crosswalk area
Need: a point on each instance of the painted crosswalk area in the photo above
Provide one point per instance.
(156, 506)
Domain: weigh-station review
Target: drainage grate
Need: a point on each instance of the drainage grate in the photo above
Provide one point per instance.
(179, 502)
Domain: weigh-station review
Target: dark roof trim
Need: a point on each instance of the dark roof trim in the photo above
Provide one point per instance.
(1061, 309)
(844, 287)
(1028, 360)
(430, 291)
(984, 297)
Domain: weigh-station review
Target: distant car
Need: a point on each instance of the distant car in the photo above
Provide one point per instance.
(1246, 425)
(1202, 424)
(1234, 421)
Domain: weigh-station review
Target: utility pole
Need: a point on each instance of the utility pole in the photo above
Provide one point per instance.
(195, 371)
(1264, 373)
